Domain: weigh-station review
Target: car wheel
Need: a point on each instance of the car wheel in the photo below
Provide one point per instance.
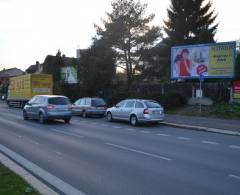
(67, 121)
(133, 120)
(109, 117)
(41, 118)
(25, 115)
(84, 114)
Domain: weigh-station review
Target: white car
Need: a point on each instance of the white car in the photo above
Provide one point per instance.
(136, 111)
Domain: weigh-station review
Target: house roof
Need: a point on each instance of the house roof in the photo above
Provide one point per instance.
(11, 72)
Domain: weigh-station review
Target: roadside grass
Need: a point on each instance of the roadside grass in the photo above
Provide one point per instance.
(224, 111)
(12, 184)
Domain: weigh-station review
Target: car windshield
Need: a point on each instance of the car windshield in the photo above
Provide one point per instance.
(98, 102)
(151, 104)
(58, 101)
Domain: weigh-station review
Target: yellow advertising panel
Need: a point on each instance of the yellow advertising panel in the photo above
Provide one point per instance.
(221, 58)
(26, 86)
(41, 84)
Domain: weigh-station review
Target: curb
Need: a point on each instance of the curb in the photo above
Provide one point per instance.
(28, 177)
(28, 166)
(199, 128)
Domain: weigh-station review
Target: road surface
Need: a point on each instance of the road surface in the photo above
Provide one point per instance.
(102, 158)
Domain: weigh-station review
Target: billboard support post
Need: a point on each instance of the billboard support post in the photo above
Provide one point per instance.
(201, 79)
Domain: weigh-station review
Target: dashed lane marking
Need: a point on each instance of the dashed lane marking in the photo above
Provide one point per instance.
(163, 135)
(209, 142)
(138, 151)
(184, 138)
(234, 147)
(234, 176)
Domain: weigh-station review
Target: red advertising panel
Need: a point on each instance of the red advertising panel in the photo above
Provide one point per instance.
(236, 89)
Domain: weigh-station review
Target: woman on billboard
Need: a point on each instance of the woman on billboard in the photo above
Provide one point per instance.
(184, 64)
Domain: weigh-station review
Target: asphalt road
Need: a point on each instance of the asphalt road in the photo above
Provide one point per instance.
(102, 158)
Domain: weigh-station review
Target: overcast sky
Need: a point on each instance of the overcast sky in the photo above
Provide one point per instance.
(32, 29)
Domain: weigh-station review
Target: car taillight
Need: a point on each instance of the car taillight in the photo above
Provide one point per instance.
(146, 111)
(50, 107)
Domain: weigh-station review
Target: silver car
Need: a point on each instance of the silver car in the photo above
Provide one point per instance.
(89, 106)
(48, 107)
(136, 111)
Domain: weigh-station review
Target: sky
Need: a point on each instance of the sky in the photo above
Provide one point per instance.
(32, 29)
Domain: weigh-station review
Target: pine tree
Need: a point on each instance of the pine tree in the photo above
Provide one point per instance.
(190, 22)
(128, 29)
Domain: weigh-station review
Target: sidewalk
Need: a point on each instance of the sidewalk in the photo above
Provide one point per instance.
(204, 124)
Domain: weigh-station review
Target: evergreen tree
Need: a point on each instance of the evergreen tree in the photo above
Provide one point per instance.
(190, 22)
(127, 28)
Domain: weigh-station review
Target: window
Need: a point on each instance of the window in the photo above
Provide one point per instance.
(88, 101)
(139, 105)
(58, 101)
(77, 102)
(32, 101)
(151, 104)
(82, 102)
(98, 102)
(130, 104)
(120, 104)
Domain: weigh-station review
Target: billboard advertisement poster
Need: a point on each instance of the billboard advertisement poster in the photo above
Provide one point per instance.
(236, 89)
(211, 60)
(69, 75)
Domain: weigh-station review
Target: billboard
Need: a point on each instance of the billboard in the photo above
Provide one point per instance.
(236, 89)
(211, 60)
(69, 75)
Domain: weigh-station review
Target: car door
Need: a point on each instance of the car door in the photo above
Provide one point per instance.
(128, 109)
(29, 107)
(76, 107)
(36, 106)
(118, 109)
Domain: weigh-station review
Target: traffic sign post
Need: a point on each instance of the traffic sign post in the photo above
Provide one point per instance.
(201, 79)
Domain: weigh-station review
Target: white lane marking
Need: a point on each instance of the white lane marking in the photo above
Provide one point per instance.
(234, 176)
(209, 142)
(94, 123)
(139, 151)
(58, 153)
(145, 132)
(163, 135)
(104, 125)
(234, 147)
(38, 171)
(66, 133)
(117, 127)
(184, 138)
(129, 129)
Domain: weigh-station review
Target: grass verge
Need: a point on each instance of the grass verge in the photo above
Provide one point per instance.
(224, 111)
(12, 184)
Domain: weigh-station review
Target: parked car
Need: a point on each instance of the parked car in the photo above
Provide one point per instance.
(48, 107)
(89, 107)
(136, 111)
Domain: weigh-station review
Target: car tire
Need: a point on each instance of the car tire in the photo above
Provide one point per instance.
(67, 121)
(41, 118)
(84, 114)
(25, 115)
(134, 120)
(109, 117)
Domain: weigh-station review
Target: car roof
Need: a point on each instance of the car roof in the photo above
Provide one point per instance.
(51, 96)
(140, 100)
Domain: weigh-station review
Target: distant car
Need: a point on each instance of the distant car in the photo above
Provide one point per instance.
(136, 111)
(89, 107)
(48, 107)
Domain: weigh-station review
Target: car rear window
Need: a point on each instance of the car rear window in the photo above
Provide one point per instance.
(151, 104)
(58, 101)
(98, 102)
